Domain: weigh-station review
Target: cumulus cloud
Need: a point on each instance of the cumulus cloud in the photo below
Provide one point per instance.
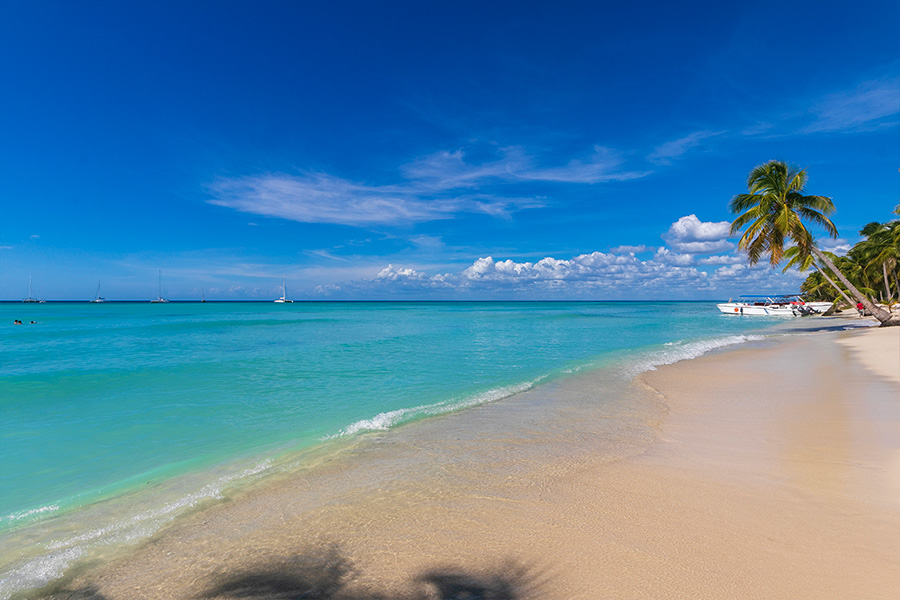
(591, 275)
(690, 235)
(837, 246)
(740, 278)
(596, 275)
(674, 271)
(391, 273)
(666, 256)
(626, 249)
(721, 259)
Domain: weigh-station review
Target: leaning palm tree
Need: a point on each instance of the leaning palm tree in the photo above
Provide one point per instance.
(881, 250)
(774, 212)
(803, 263)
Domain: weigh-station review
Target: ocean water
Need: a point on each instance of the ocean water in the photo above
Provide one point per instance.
(118, 418)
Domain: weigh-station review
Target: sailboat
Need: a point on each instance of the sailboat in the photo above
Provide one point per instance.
(31, 298)
(97, 297)
(284, 297)
(202, 296)
(159, 298)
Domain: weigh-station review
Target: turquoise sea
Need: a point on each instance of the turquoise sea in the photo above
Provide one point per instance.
(120, 417)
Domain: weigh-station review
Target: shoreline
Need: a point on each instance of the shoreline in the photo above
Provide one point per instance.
(562, 524)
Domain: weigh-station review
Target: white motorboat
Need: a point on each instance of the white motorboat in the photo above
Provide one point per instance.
(788, 305)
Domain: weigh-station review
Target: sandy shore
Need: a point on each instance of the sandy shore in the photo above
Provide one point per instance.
(774, 473)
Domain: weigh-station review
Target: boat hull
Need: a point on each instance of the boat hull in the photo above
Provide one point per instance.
(772, 310)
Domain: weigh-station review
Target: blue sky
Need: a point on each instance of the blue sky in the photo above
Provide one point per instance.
(427, 150)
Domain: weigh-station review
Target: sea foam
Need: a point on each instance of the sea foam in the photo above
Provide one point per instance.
(389, 419)
(60, 554)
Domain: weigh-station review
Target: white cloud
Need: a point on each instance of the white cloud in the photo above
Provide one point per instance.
(631, 249)
(327, 254)
(603, 165)
(667, 152)
(690, 235)
(597, 275)
(319, 198)
(446, 170)
(732, 270)
(666, 256)
(837, 246)
(429, 242)
(721, 259)
(405, 279)
(702, 247)
(450, 170)
(741, 278)
(393, 274)
(870, 105)
(437, 186)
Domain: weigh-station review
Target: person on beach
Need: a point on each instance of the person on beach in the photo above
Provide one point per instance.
(861, 309)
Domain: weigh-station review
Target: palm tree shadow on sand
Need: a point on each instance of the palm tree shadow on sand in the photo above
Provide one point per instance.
(328, 575)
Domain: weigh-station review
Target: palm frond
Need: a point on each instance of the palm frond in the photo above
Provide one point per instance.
(774, 211)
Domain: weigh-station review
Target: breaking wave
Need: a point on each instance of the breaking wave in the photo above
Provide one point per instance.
(389, 419)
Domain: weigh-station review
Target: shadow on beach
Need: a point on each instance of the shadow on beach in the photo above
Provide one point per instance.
(329, 575)
(832, 327)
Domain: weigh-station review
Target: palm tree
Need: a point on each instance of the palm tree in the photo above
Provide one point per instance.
(803, 263)
(774, 212)
(880, 251)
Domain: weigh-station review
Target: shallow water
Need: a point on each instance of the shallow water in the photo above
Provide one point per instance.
(119, 418)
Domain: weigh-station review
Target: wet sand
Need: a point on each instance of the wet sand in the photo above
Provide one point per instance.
(767, 472)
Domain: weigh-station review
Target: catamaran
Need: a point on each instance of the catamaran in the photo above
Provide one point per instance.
(97, 297)
(284, 297)
(31, 298)
(159, 298)
(784, 305)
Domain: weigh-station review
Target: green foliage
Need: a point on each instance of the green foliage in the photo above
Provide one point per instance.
(775, 210)
(872, 265)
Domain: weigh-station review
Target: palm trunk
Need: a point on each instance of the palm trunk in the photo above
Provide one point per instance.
(887, 286)
(834, 285)
(883, 316)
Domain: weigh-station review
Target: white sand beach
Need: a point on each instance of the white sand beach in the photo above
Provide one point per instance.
(774, 473)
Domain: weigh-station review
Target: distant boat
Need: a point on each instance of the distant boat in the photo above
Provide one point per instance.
(159, 298)
(202, 296)
(284, 297)
(97, 297)
(31, 298)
